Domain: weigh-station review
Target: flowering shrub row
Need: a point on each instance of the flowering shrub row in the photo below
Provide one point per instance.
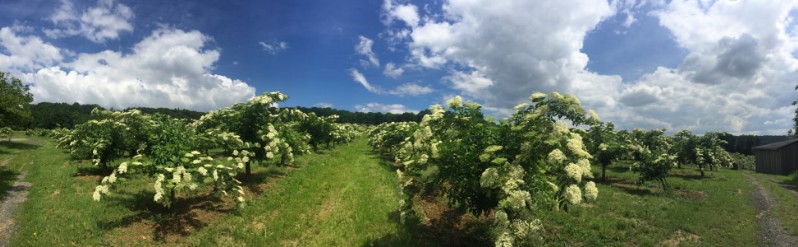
(175, 153)
(513, 168)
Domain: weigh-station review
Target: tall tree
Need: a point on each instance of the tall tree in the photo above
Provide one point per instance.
(794, 131)
(15, 99)
(604, 145)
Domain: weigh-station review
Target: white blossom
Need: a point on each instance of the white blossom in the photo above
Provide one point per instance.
(584, 164)
(501, 219)
(504, 240)
(574, 171)
(489, 178)
(560, 128)
(202, 171)
(122, 168)
(455, 102)
(536, 96)
(96, 196)
(593, 115)
(112, 178)
(522, 228)
(517, 199)
(556, 157)
(591, 192)
(573, 194)
(576, 146)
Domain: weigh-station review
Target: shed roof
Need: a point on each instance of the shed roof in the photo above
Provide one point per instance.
(776, 145)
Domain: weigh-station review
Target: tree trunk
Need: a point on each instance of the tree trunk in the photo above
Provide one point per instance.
(248, 169)
(604, 172)
(172, 196)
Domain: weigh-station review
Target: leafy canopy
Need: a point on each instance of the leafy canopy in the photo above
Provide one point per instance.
(15, 99)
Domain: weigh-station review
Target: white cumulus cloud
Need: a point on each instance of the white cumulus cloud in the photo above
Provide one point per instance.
(25, 53)
(170, 68)
(506, 50)
(738, 75)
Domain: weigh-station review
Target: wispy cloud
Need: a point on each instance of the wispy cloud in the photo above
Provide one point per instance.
(274, 46)
(393, 71)
(364, 48)
(105, 21)
(411, 89)
(379, 107)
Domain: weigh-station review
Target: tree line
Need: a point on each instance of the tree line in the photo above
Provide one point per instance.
(48, 115)
(368, 118)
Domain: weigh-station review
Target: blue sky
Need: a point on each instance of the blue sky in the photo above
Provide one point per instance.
(698, 65)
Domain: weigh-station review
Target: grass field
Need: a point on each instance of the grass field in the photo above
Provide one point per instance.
(348, 196)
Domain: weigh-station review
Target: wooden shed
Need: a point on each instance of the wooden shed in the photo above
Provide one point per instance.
(777, 158)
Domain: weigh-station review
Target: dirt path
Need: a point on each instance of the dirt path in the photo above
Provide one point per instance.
(769, 230)
(16, 195)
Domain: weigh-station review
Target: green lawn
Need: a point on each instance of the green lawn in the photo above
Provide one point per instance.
(711, 211)
(348, 196)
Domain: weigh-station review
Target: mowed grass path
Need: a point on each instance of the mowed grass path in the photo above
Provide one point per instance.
(343, 197)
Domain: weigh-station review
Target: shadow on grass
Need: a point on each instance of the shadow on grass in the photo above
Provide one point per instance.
(617, 169)
(92, 172)
(791, 183)
(609, 180)
(628, 186)
(185, 216)
(258, 181)
(6, 145)
(8, 176)
(7, 179)
(446, 230)
(384, 162)
(634, 188)
(443, 226)
(691, 176)
(788, 186)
